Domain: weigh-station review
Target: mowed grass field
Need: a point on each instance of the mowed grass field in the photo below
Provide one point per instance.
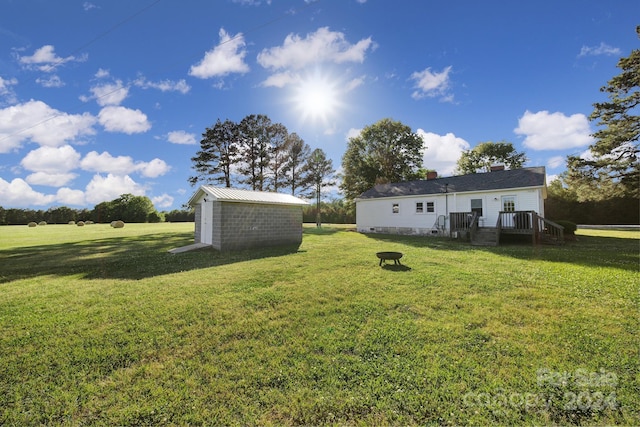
(101, 326)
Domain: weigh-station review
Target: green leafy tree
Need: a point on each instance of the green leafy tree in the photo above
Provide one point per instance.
(297, 154)
(278, 153)
(386, 151)
(318, 171)
(218, 153)
(486, 154)
(612, 169)
(255, 138)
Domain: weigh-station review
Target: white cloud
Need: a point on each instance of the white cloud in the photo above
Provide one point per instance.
(164, 85)
(602, 49)
(280, 80)
(87, 6)
(353, 133)
(153, 169)
(554, 131)
(354, 83)
(6, 91)
(102, 73)
(51, 160)
(181, 137)
(36, 121)
(432, 85)
(19, 194)
(163, 201)
(67, 196)
(125, 120)
(322, 46)
(108, 93)
(442, 151)
(105, 162)
(102, 189)
(50, 179)
(122, 165)
(50, 81)
(45, 59)
(555, 161)
(225, 58)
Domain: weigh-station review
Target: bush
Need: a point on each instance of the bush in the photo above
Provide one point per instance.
(32, 224)
(569, 227)
(117, 224)
(42, 223)
(72, 223)
(80, 224)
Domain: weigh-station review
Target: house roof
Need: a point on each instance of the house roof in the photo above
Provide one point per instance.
(245, 196)
(497, 180)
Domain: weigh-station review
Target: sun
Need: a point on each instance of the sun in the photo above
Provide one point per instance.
(317, 98)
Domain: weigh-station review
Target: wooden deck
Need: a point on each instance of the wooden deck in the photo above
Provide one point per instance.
(541, 230)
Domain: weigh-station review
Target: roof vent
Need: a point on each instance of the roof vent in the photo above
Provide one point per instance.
(497, 168)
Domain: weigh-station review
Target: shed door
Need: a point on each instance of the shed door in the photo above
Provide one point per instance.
(206, 223)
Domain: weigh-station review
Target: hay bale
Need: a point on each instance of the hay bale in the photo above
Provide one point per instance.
(32, 224)
(42, 223)
(89, 222)
(80, 224)
(118, 224)
(72, 223)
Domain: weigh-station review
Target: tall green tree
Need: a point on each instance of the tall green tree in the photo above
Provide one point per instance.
(612, 169)
(218, 153)
(486, 154)
(255, 137)
(386, 151)
(278, 155)
(297, 155)
(318, 171)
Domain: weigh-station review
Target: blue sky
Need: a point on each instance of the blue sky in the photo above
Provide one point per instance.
(104, 97)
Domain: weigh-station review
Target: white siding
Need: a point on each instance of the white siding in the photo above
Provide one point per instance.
(377, 216)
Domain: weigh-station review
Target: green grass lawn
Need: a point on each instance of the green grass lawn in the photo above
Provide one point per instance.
(103, 326)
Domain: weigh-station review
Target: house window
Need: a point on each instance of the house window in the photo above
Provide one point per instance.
(509, 203)
(419, 207)
(395, 208)
(431, 207)
(476, 206)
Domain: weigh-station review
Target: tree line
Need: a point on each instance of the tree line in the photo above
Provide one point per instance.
(127, 208)
(261, 155)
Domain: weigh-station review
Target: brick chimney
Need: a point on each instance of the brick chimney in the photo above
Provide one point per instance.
(432, 175)
(497, 168)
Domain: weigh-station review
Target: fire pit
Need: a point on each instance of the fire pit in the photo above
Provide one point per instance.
(384, 256)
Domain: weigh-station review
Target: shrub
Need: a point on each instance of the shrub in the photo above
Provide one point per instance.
(89, 222)
(569, 227)
(81, 223)
(42, 223)
(32, 224)
(117, 224)
(72, 223)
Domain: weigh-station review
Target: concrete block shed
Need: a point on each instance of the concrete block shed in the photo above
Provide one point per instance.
(232, 219)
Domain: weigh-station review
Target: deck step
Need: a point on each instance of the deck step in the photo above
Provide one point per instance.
(485, 236)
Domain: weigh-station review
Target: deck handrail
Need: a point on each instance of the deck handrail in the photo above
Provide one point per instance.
(550, 231)
(473, 226)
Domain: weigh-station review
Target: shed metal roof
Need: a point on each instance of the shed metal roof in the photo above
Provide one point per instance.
(245, 196)
(497, 180)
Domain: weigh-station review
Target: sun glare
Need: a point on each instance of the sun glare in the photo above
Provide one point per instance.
(317, 98)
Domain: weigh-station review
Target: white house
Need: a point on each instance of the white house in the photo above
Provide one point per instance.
(230, 219)
(436, 206)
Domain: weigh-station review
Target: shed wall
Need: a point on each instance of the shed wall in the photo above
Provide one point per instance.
(250, 225)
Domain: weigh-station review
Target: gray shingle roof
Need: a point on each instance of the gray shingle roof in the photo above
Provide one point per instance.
(497, 180)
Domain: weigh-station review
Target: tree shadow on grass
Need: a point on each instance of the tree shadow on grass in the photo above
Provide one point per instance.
(612, 252)
(130, 258)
